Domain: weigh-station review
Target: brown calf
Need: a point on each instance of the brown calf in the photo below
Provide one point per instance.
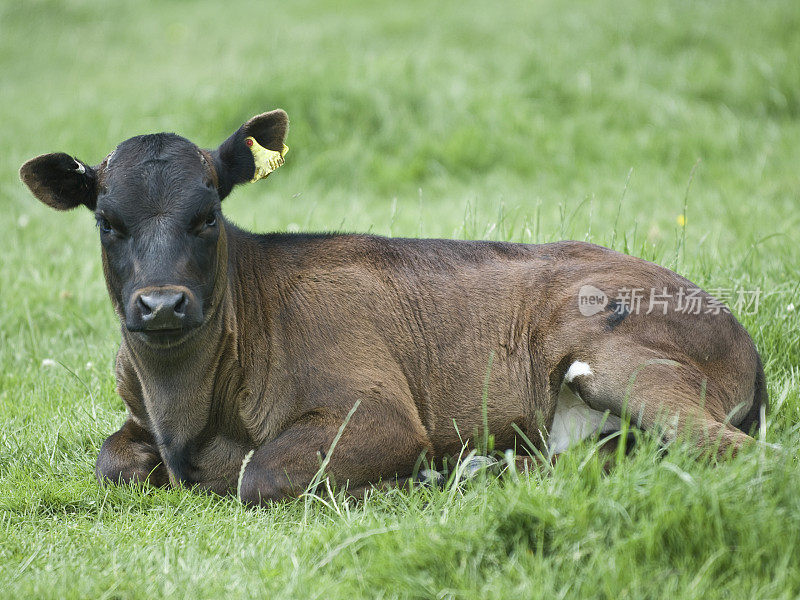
(239, 345)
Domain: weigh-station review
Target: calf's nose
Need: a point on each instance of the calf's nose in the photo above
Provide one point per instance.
(162, 309)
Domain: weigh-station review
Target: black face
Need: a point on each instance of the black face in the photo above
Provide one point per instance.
(157, 204)
(158, 214)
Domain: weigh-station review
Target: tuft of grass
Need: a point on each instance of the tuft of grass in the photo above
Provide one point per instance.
(518, 121)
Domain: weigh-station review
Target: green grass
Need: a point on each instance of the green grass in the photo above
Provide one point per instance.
(527, 121)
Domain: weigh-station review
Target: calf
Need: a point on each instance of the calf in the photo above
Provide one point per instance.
(242, 355)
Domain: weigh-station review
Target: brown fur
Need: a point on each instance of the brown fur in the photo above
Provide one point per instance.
(310, 325)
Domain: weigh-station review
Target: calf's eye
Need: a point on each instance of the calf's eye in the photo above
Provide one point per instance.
(211, 220)
(104, 225)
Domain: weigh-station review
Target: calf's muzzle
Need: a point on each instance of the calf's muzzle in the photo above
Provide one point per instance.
(163, 309)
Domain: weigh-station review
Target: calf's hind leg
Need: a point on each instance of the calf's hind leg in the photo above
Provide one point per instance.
(669, 397)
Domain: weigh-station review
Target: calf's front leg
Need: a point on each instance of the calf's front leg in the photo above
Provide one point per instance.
(375, 446)
(130, 455)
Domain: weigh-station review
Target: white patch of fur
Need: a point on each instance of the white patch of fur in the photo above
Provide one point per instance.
(575, 421)
(577, 369)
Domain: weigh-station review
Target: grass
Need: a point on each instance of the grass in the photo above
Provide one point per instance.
(521, 121)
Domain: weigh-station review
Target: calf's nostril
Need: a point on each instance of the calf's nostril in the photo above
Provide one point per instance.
(143, 306)
(180, 305)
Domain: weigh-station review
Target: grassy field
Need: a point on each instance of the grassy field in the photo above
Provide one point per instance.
(524, 121)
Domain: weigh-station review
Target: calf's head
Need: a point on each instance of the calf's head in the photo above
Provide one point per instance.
(156, 199)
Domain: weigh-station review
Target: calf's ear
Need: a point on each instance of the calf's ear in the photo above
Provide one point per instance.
(61, 181)
(234, 159)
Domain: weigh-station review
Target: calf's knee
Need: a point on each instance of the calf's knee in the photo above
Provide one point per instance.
(120, 462)
(262, 487)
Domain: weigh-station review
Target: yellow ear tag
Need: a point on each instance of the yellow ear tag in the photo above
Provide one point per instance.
(266, 160)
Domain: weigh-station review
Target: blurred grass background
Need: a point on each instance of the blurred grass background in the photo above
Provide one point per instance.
(526, 121)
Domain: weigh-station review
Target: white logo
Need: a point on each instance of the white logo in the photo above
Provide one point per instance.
(591, 300)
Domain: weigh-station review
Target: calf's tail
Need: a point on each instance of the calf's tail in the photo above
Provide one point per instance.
(752, 421)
